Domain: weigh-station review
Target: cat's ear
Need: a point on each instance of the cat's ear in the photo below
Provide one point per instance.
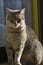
(8, 10)
(23, 11)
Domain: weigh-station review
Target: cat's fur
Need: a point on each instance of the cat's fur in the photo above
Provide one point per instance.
(20, 37)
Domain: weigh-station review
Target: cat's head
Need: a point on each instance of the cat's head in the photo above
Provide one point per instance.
(16, 17)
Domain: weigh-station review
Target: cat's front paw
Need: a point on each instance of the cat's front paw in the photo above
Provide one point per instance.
(18, 64)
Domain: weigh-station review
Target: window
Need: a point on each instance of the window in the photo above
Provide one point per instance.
(13, 4)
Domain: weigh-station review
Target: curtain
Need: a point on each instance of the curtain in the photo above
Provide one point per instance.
(13, 4)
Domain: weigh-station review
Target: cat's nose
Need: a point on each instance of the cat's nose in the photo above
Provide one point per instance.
(15, 23)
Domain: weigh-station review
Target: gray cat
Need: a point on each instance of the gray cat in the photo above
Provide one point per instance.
(20, 37)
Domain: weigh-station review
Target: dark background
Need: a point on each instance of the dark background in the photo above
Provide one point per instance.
(41, 19)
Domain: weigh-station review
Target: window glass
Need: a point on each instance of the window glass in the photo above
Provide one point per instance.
(13, 4)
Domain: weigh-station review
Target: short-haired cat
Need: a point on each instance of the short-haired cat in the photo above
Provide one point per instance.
(19, 36)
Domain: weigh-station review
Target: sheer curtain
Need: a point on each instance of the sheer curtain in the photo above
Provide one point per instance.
(13, 4)
(2, 26)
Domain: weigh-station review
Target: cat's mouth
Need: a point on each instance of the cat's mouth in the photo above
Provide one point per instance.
(17, 26)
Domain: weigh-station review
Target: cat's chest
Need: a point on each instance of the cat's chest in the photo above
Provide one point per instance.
(17, 37)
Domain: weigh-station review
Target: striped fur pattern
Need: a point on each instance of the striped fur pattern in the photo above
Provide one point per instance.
(20, 39)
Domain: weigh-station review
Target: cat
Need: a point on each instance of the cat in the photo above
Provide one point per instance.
(21, 39)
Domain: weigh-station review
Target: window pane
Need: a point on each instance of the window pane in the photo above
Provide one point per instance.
(13, 4)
